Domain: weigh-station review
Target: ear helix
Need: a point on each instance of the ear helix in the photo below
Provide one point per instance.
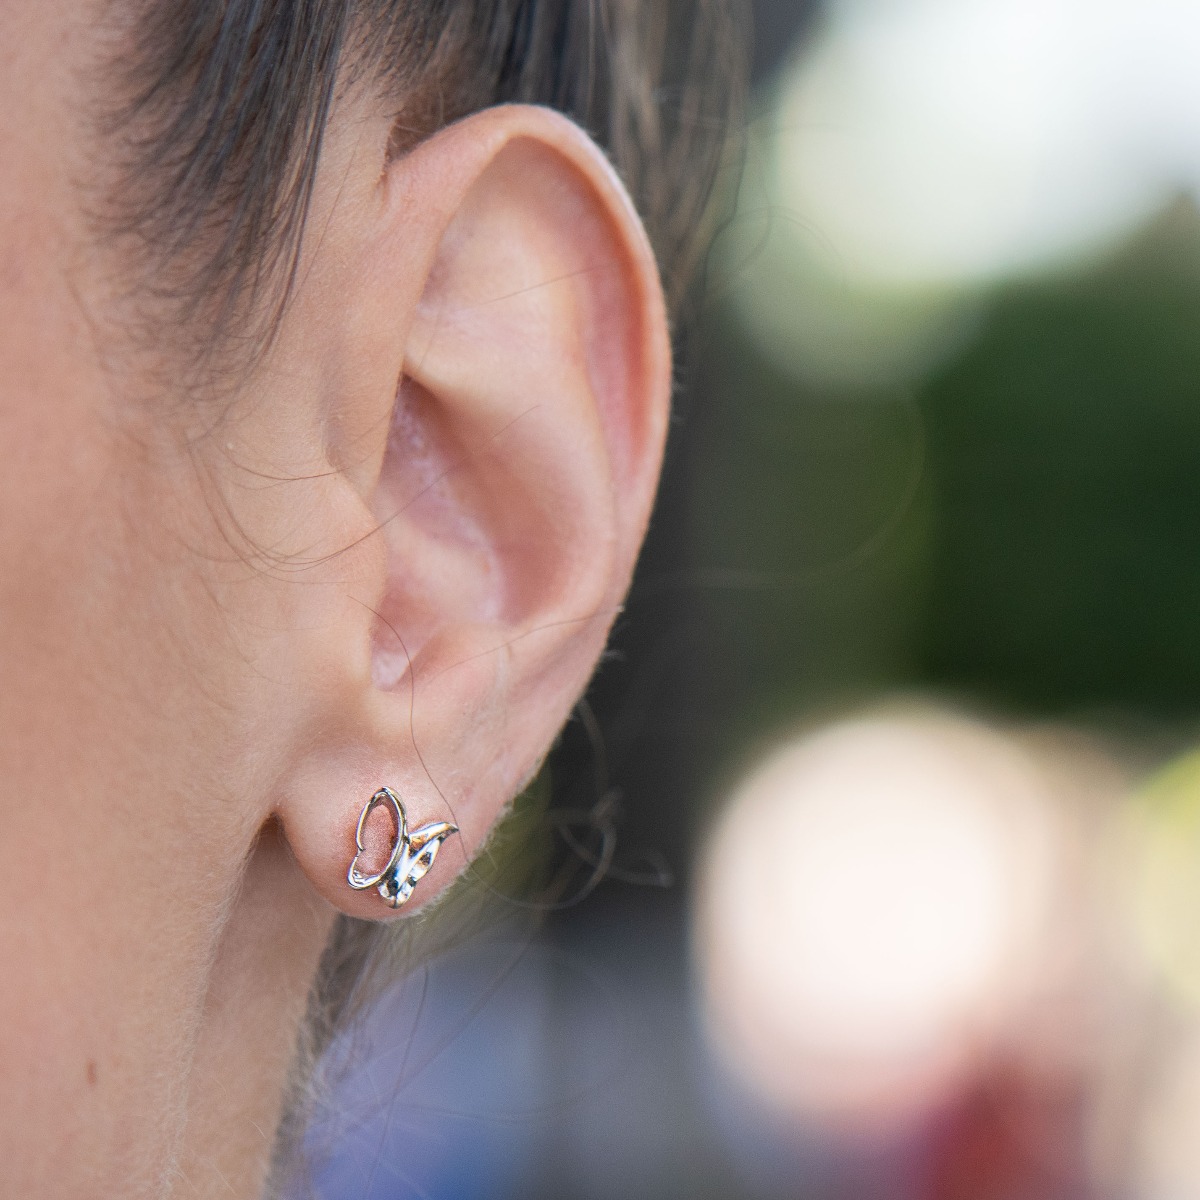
(411, 857)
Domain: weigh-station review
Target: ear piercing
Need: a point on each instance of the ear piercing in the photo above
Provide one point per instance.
(412, 853)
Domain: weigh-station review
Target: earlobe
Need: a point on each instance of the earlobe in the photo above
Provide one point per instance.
(507, 284)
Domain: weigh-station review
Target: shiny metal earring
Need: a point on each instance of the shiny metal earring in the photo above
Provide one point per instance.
(412, 853)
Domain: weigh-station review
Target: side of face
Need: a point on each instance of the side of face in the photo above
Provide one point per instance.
(391, 556)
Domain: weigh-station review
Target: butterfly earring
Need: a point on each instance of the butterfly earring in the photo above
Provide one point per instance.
(412, 854)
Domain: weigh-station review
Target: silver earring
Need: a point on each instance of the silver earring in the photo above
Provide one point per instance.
(412, 853)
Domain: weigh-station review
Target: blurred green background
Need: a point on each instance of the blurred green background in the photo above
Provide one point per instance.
(1020, 524)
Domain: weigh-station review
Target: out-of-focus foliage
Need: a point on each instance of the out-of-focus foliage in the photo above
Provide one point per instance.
(1066, 488)
(1021, 525)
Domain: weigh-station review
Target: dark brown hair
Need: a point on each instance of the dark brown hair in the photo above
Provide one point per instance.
(223, 105)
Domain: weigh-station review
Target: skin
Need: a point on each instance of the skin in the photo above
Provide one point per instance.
(454, 441)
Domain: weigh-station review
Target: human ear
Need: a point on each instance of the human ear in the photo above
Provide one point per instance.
(484, 339)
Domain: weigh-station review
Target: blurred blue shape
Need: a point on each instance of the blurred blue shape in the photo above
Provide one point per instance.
(437, 1094)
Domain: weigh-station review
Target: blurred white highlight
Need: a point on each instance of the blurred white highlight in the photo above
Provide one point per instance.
(869, 912)
(922, 149)
(951, 140)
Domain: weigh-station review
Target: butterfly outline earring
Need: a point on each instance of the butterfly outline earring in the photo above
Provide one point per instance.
(411, 857)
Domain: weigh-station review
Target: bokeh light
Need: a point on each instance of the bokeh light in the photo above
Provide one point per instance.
(870, 907)
(922, 150)
(1168, 1159)
(1035, 158)
(1159, 853)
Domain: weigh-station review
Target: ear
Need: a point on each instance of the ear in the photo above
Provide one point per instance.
(484, 336)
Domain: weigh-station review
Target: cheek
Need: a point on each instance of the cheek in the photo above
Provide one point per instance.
(70, 580)
(117, 850)
(123, 713)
